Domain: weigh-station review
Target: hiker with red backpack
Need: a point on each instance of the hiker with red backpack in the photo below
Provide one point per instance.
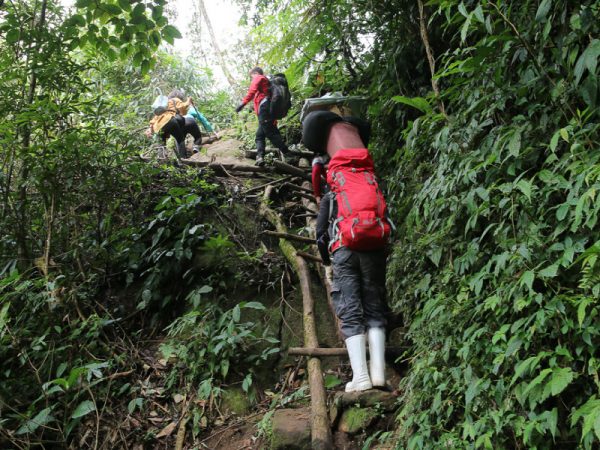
(353, 228)
(319, 129)
(260, 92)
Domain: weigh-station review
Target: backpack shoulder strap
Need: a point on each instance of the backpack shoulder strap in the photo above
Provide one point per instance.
(331, 200)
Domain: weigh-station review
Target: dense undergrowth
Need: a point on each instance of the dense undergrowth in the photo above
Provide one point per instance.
(493, 184)
(496, 270)
(108, 263)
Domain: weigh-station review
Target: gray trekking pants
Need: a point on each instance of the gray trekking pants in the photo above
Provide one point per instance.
(358, 290)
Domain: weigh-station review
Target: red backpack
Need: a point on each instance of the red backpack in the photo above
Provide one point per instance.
(361, 222)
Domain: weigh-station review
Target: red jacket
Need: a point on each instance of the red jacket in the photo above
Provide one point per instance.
(258, 90)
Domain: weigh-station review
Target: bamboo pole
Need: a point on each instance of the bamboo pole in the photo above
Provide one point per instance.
(319, 420)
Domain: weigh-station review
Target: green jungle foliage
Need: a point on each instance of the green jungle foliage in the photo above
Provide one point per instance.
(492, 183)
(99, 251)
(495, 268)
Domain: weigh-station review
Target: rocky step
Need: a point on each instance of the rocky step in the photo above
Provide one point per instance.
(350, 413)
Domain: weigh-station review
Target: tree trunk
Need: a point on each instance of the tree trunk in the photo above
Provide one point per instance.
(430, 58)
(215, 44)
(21, 231)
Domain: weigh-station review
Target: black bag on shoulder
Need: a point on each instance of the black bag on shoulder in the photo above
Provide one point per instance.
(280, 96)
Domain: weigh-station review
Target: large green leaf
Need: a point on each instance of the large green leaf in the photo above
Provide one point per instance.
(416, 102)
(42, 418)
(84, 408)
(170, 33)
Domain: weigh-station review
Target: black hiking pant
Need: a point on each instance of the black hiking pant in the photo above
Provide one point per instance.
(267, 129)
(191, 127)
(358, 290)
(179, 127)
(174, 127)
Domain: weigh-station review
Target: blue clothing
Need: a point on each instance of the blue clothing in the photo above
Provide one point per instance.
(195, 114)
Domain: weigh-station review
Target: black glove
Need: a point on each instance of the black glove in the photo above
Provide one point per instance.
(316, 125)
(239, 108)
(323, 247)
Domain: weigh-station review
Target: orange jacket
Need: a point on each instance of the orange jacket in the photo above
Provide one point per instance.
(174, 106)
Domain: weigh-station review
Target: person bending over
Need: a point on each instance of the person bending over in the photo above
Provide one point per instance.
(168, 122)
(184, 107)
(317, 129)
(267, 127)
(352, 233)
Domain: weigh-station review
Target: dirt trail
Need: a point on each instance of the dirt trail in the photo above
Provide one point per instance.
(286, 380)
(226, 150)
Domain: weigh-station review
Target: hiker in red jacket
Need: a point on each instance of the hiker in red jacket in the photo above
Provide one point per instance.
(267, 127)
(353, 227)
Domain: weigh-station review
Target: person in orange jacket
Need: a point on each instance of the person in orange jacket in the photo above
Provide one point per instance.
(267, 127)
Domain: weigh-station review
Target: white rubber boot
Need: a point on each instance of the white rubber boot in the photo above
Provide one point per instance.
(357, 351)
(377, 355)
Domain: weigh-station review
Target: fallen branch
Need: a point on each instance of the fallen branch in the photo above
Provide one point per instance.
(228, 174)
(309, 256)
(292, 170)
(295, 187)
(251, 154)
(183, 420)
(293, 237)
(304, 195)
(264, 185)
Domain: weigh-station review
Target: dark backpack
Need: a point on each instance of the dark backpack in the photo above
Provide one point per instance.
(280, 96)
(361, 222)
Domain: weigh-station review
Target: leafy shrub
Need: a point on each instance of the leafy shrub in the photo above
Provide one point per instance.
(496, 273)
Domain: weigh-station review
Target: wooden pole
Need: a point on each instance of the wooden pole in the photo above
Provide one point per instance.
(292, 170)
(390, 352)
(293, 237)
(312, 226)
(309, 256)
(319, 420)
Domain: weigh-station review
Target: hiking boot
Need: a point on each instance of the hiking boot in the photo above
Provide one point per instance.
(357, 352)
(376, 338)
(260, 162)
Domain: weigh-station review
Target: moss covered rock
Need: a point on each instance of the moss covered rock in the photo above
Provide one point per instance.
(235, 401)
(291, 429)
(356, 419)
